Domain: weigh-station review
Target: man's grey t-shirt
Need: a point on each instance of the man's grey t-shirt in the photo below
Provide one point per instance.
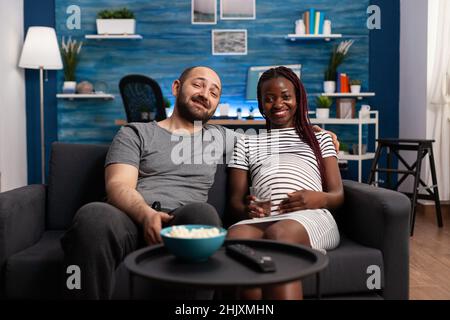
(174, 168)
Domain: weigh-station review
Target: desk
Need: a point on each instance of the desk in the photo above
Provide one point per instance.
(370, 119)
(293, 262)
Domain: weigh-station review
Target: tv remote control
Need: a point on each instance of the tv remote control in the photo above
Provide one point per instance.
(247, 255)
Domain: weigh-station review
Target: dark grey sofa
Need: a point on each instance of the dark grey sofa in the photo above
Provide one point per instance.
(373, 223)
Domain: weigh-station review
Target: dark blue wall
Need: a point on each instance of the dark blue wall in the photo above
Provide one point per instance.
(171, 43)
(39, 13)
(383, 78)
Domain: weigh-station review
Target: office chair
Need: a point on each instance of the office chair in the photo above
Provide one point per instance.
(142, 98)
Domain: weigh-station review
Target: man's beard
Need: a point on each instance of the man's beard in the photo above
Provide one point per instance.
(191, 114)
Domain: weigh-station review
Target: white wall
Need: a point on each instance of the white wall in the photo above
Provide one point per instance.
(413, 76)
(413, 68)
(13, 157)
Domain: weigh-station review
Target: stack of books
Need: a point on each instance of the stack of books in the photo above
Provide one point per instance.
(313, 20)
(343, 83)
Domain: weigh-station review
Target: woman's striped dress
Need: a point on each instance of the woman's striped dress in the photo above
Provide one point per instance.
(280, 159)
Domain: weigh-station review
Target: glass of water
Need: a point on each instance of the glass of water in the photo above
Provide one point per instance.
(263, 195)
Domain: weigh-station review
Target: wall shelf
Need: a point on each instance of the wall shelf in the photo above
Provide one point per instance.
(114, 36)
(328, 37)
(349, 95)
(72, 96)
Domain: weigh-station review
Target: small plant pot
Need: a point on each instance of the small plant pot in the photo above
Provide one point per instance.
(322, 113)
(145, 116)
(355, 149)
(355, 88)
(116, 26)
(69, 87)
(329, 86)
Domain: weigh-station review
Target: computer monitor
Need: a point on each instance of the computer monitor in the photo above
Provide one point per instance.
(254, 73)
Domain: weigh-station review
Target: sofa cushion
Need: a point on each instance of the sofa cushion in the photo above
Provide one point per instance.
(76, 178)
(347, 270)
(35, 273)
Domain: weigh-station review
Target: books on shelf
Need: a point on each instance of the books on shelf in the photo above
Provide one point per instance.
(343, 83)
(313, 20)
(306, 20)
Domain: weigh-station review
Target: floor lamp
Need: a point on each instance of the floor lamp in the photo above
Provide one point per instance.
(41, 51)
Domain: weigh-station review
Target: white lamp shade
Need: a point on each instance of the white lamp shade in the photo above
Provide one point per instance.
(41, 49)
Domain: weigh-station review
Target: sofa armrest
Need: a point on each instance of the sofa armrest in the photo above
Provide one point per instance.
(379, 218)
(22, 219)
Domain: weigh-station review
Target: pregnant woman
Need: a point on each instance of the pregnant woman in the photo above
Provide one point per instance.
(299, 166)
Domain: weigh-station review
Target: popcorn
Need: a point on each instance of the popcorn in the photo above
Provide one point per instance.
(183, 232)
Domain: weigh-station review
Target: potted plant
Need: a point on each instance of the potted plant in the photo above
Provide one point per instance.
(355, 86)
(119, 21)
(70, 53)
(250, 112)
(337, 57)
(145, 113)
(323, 104)
(167, 103)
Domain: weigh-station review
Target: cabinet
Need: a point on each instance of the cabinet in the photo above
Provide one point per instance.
(367, 118)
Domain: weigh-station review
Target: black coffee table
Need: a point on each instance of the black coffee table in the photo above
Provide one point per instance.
(293, 262)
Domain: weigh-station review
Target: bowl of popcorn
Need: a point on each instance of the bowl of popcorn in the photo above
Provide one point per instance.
(193, 242)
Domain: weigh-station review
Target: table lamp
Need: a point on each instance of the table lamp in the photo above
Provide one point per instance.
(41, 51)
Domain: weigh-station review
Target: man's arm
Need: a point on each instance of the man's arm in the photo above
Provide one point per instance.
(334, 137)
(121, 181)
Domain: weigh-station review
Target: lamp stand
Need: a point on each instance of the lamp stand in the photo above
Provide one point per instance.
(41, 82)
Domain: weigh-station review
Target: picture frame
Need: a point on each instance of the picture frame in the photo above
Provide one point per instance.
(203, 12)
(345, 108)
(229, 41)
(237, 9)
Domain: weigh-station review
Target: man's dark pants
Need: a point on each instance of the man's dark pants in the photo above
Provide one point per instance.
(100, 238)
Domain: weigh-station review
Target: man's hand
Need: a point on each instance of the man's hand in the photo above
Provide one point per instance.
(152, 226)
(302, 200)
(336, 143)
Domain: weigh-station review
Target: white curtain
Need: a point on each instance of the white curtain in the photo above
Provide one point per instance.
(439, 98)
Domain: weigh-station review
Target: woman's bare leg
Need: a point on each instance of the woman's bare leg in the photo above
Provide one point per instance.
(248, 231)
(292, 232)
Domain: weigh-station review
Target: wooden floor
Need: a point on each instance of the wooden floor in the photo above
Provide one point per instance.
(430, 256)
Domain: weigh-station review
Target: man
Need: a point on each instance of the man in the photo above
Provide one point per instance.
(143, 171)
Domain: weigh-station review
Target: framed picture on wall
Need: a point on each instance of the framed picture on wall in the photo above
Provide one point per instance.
(229, 41)
(345, 108)
(203, 11)
(237, 9)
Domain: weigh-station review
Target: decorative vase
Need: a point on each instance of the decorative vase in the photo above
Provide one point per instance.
(300, 27)
(329, 86)
(69, 86)
(145, 116)
(322, 113)
(327, 27)
(85, 87)
(355, 88)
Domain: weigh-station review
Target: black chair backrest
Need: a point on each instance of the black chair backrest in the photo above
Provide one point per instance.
(142, 94)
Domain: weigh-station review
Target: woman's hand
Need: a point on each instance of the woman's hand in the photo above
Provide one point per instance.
(253, 210)
(302, 200)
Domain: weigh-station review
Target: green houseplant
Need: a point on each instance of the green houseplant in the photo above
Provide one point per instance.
(336, 59)
(70, 52)
(167, 102)
(355, 86)
(323, 104)
(119, 21)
